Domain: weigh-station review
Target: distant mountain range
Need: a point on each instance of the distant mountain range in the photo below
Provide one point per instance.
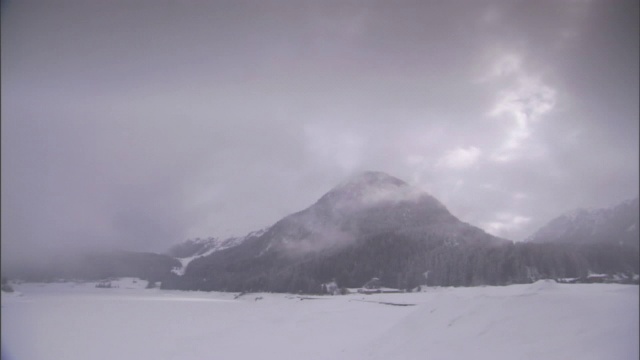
(617, 225)
(374, 225)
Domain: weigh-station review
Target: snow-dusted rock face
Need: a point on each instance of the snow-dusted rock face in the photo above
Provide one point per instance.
(192, 249)
(614, 225)
(201, 247)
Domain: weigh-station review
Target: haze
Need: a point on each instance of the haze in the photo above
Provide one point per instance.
(137, 125)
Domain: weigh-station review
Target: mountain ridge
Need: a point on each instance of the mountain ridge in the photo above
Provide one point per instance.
(617, 224)
(371, 225)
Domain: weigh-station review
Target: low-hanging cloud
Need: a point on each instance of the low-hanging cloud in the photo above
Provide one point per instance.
(145, 124)
(504, 224)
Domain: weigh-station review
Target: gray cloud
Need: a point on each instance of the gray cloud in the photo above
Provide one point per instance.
(137, 125)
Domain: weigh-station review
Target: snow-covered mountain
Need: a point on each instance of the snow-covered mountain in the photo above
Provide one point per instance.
(616, 225)
(369, 203)
(371, 225)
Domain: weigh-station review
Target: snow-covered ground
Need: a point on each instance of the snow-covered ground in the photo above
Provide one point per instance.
(543, 320)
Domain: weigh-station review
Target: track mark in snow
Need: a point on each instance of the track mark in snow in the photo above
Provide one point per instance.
(384, 303)
(453, 321)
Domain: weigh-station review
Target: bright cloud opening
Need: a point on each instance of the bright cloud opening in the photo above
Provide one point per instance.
(522, 104)
(505, 223)
(460, 158)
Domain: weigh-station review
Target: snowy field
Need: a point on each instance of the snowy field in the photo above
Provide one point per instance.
(543, 320)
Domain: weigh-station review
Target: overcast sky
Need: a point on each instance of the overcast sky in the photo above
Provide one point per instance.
(139, 124)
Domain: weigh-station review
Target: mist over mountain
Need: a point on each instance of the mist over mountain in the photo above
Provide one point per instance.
(616, 225)
(367, 204)
(96, 265)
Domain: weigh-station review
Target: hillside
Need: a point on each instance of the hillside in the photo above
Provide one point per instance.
(371, 225)
(616, 225)
(375, 225)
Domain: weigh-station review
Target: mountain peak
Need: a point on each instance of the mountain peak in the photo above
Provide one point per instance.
(370, 187)
(372, 178)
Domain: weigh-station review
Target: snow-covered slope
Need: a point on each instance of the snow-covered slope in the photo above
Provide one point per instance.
(194, 249)
(613, 225)
(543, 320)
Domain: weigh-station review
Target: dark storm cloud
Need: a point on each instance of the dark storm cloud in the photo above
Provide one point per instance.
(139, 124)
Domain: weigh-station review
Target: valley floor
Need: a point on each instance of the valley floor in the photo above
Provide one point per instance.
(544, 320)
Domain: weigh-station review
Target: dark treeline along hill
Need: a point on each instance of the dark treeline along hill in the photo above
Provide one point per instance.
(401, 262)
(374, 225)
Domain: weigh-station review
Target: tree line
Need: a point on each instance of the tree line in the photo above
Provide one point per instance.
(402, 261)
